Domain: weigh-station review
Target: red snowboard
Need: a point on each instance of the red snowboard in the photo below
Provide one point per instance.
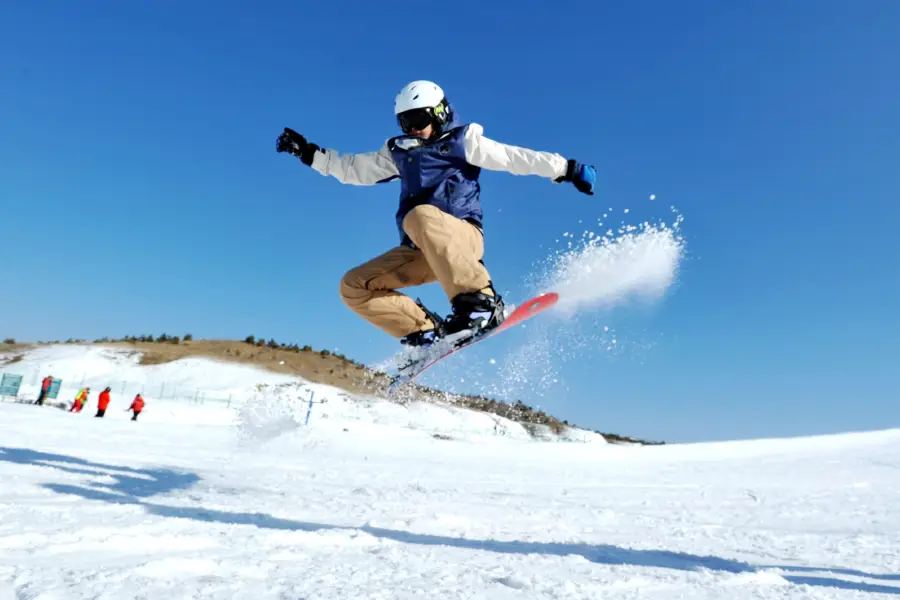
(522, 313)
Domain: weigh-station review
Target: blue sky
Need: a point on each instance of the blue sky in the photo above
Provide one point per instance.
(141, 192)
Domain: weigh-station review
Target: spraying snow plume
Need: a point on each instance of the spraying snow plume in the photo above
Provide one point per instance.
(604, 271)
(599, 272)
(272, 411)
(617, 268)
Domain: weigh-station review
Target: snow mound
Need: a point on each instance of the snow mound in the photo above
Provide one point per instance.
(99, 366)
(273, 410)
(261, 404)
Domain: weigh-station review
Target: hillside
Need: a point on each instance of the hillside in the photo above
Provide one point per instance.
(320, 367)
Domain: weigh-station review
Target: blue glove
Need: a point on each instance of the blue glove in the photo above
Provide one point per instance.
(583, 177)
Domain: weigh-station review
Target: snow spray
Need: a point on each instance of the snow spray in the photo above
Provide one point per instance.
(632, 263)
(607, 268)
(274, 410)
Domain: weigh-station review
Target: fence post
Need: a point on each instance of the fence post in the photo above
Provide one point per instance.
(309, 410)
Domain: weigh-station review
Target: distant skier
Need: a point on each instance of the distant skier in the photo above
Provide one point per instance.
(102, 402)
(438, 161)
(80, 400)
(45, 389)
(137, 405)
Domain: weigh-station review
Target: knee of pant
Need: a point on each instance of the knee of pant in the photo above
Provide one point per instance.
(414, 219)
(352, 289)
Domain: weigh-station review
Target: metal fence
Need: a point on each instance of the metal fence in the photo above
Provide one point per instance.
(68, 385)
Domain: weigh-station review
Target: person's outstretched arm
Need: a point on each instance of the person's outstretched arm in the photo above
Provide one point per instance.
(367, 168)
(490, 154)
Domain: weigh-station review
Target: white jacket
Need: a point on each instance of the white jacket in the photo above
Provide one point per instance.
(370, 168)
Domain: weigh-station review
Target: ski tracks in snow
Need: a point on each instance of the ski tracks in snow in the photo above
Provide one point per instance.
(175, 511)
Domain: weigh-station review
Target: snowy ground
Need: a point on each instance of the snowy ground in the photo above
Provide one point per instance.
(93, 508)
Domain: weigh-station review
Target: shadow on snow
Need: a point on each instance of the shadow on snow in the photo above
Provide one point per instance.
(126, 481)
(130, 486)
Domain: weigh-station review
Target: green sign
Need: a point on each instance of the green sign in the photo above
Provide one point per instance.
(10, 384)
(53, 392)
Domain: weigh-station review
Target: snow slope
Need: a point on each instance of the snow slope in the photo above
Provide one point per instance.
(204, 391)
(104, 509)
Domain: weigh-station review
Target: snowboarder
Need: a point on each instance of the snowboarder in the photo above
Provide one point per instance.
(80, 400)
(438, 160)
(102, 402)
(137, 405)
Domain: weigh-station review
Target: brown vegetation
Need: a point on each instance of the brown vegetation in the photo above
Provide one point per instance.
(11, 359)
(11, 351)
(11, 345)
(318, 367)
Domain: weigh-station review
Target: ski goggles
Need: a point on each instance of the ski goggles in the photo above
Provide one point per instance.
(415, 119)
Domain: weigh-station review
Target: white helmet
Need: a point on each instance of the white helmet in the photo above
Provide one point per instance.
(419, 104)
(418, 94)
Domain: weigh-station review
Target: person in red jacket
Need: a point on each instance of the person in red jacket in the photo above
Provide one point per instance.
(137, 405)
(45, 387)
(102, 403)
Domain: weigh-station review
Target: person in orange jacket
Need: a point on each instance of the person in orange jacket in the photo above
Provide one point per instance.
(137, 405)
(45, 388)
(102, 403)
(80, 400)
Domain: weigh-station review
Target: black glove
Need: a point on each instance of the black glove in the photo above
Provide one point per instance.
(583, 177)
(293, 143)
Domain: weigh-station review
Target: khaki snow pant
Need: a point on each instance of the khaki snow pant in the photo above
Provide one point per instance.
(447, 250)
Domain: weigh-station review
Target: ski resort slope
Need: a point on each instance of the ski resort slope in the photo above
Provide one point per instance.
(203, 391)
(111, 509)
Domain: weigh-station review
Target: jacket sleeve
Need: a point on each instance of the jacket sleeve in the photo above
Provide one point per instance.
(492, 155)
(368, 168)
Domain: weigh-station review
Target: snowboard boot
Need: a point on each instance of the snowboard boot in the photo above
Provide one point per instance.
(478, 312)
(425, 337)
(420, 338)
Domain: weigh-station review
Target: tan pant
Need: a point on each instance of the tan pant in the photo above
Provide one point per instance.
(447, 250)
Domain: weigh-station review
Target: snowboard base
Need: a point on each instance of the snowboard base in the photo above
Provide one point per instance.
(447, 347)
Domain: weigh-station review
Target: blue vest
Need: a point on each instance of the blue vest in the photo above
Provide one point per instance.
(436, 172)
